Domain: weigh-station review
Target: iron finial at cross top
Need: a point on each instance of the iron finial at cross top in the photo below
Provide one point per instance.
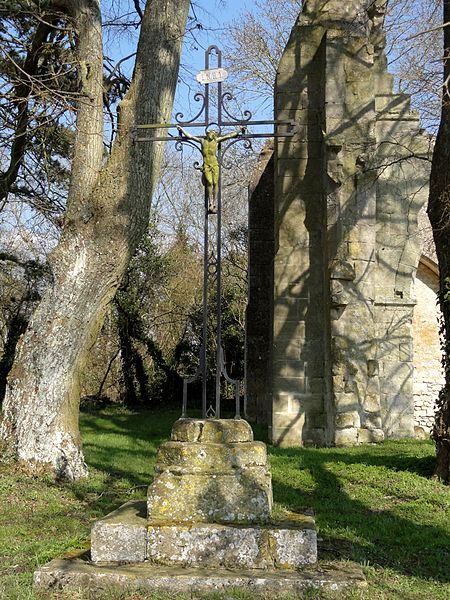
(213, 146)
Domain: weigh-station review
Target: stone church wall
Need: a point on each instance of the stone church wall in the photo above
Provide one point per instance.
(260, 289)
(347, 190)
(428, 375)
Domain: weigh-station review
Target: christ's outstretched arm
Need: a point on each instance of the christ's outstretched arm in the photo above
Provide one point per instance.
(188, 135)
(240, 131)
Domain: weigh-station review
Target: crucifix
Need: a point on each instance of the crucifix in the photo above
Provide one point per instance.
(213, 147)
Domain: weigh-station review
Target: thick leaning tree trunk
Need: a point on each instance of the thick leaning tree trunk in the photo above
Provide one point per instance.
(439, 213)
(107, 214)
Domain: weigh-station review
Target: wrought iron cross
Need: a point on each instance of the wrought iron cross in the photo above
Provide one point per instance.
(212, 249)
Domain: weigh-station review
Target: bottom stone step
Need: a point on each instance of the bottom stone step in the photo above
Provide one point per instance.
(126, 536)
(288, 546)
(77, 573)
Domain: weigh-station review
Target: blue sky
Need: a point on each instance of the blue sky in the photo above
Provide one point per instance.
(215, 16)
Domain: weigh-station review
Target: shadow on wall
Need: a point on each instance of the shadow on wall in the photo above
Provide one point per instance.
(358, 363)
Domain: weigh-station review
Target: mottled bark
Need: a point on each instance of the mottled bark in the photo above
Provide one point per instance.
(107, 215)
(439, 213)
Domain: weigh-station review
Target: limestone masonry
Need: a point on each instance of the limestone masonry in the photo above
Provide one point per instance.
(209, 505)
(206, 524)
(333, 239)
(211, 472)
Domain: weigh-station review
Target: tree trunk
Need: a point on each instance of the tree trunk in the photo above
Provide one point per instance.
(107, 215)
(439, 213)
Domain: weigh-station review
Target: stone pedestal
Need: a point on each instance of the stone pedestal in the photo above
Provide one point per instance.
(206, 524)
(209, 505)
(211, 472)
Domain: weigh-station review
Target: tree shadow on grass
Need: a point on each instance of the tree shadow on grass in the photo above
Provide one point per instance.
(375, 536)
(122, 447)
(400, 460)
(125, 445)
(403, 457)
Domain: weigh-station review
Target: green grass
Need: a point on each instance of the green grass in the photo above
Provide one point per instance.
(375, 505)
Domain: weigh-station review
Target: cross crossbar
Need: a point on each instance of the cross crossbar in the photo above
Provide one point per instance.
(213, 146)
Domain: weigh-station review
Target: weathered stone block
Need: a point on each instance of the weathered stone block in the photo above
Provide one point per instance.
(226, 431)
(287, 546)
(205, 545)
(384, 83)
(287, 421)
(281, 403)
(200, 457)
(345, 402)
(212, 430)
(399, 425)
(311, 404)
(292, 348)
(244, 496)
(288, 284)
(370, 436)
(346, 437)
(372, 421)
(289, 384)
(393, 103)
(348, 419)
(292, 548)
(371, 402)
(290, 329)
(287, 437)
(341, 269)
(187, 430)
(290, 368)
(121, 536)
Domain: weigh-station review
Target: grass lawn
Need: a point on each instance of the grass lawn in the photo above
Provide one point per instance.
(374, 505)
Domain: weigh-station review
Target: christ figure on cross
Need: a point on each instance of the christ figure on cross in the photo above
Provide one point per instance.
(210, 167)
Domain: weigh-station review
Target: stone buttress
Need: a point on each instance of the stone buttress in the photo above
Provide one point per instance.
(346, 192)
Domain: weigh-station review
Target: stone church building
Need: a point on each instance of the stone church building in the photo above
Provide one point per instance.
(342, 342)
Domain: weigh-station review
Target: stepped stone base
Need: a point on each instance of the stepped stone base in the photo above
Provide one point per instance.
(122, 535)
(211, 472)
(206, 525)
(79, 573)
(125, 536)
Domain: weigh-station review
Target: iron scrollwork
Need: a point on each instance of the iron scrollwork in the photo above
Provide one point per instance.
(212, 218)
